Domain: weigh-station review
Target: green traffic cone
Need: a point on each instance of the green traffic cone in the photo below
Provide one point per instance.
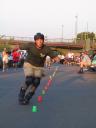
(34, 108)
(43, 92)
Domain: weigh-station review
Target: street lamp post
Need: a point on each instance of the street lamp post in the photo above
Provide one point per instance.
(62, 33)
(76, 27)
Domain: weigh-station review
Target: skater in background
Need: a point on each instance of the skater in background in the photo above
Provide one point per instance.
(84, 62)
(33, 67)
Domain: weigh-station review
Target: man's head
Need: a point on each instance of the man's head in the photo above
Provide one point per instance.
(39, 40)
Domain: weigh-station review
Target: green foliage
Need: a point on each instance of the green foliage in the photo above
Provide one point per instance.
(2, 46)
(85, 35)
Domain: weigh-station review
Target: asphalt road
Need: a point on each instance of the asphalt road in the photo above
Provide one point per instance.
(69, 102)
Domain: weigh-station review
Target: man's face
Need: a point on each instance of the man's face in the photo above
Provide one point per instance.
(39, 43)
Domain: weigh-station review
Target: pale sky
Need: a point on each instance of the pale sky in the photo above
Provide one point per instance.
(27, 17)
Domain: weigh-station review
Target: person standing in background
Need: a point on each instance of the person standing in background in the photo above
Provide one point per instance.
(5, 59)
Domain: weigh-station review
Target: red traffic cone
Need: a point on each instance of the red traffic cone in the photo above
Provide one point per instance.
(39, 99)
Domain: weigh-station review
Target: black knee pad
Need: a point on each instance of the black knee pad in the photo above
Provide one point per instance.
(36, 82)
(29, 80)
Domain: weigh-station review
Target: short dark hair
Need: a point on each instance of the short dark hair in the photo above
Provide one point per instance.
(38, 36)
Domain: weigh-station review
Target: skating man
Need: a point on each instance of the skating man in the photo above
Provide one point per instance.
(33, 67)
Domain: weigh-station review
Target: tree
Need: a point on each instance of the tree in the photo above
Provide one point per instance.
(85, 35)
